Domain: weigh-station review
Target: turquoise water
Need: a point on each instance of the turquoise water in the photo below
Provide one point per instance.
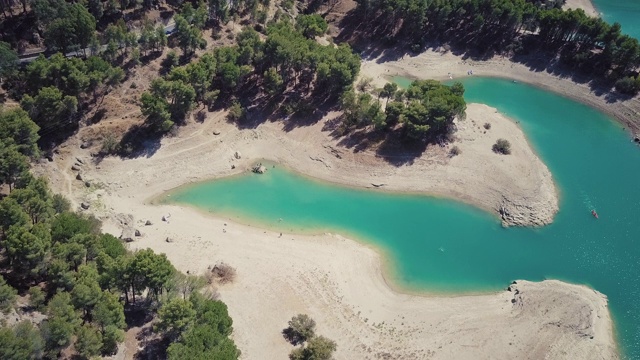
(626, 12)
(443, 245)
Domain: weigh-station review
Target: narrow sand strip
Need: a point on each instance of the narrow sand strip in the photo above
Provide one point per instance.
(586, 5)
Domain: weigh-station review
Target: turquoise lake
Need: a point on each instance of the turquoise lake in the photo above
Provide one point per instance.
(626, 12)
(441, 245)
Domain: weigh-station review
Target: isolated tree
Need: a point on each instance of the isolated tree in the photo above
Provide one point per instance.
(168, 101)
(317, 348)
(301, 328)
(502, 146)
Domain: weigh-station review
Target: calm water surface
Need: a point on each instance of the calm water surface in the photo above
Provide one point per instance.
(626, 12)
(442, 245)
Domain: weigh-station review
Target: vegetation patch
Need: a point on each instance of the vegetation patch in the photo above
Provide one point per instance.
(502, 146)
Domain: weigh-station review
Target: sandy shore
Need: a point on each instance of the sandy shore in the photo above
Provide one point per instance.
(586, 5)
(437, 65)
(340, 282)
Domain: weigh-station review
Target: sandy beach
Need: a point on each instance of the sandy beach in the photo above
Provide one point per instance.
(340, 282)
(439, 64)
(585, 5)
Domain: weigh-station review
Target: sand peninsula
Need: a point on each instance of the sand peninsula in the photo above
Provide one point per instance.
(340, 282)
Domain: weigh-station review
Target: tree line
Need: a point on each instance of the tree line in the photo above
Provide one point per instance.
(81, 279)
(587, 44)
(288, 62)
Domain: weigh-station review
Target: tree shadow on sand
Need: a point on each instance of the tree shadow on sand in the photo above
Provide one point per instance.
(389, 145)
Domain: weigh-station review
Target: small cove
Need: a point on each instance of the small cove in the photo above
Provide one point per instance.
(446, 246)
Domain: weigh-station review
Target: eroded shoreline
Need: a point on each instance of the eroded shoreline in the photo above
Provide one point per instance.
(338, 281)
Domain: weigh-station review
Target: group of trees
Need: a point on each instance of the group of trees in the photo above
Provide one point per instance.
(77, 276)
(588, 44)
(200, 328)
(286, 62)
(18, 137)
(67, 26)
(425, 110)
(52, 87)
(301, 331)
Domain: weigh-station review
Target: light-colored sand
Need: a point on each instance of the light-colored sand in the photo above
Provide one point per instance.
(340, 282)
(438, 64)
(586, 5)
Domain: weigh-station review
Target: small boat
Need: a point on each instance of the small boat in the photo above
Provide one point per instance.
(594, 213)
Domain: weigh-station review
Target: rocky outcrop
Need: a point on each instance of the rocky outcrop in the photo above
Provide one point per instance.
(527, 212)
(259, 169)
(127, 235)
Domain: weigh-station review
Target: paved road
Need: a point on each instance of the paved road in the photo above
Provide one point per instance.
(79, 53)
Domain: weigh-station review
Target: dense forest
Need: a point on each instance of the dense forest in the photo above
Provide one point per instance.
(78, 281)
(68, 288)
(512, 27)
(288, 70)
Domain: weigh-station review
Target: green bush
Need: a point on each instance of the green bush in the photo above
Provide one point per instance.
(110, 145)
(502, 146)
(37, 298)
(628, 85)
(236, 112)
